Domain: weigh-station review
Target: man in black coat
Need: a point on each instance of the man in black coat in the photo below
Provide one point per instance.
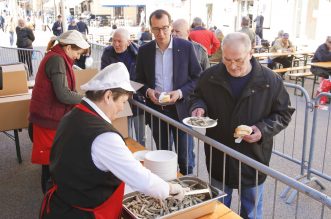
(247, 94)
(82, 26)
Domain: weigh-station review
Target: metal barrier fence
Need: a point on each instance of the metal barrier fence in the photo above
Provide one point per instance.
(290, 144)
(31, 57)
(96, 52)
(309, 203)
(320, 149)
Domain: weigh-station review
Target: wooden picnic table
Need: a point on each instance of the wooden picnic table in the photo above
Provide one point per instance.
(220, 212)
(321, 64)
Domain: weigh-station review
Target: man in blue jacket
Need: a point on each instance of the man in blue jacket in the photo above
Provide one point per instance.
(82, 26)
(168, 65)
(58, 26)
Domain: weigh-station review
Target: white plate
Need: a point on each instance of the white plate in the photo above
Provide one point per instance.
(212, 124)
(140, 155)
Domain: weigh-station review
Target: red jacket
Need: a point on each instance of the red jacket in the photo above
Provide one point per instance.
(205, 38)
(45, 109)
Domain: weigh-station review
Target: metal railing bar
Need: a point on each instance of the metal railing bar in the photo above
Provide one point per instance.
(256, 165)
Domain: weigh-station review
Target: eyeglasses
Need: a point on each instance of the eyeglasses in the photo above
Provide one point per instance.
(238, 62)
(164, 29)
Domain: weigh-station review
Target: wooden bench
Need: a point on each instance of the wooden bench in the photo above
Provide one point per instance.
(298, 73)
(284, 70)
(302, 76)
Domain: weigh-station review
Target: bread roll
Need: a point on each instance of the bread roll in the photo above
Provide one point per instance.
(242, 130)
(164, 98)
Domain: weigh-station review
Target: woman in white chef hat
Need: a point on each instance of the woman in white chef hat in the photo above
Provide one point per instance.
(89, 159)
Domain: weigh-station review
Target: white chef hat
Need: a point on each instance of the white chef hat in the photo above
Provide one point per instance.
(73, 37)
(113, 76)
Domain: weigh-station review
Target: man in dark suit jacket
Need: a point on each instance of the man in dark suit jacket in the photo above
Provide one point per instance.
(168, 65)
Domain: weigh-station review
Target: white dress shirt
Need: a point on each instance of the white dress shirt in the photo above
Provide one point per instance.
(164, 69)
(109, 153)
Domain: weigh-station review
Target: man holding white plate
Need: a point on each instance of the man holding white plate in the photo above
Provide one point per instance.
(240, 91)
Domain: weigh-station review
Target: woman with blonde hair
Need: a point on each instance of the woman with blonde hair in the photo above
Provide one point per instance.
(54, 94)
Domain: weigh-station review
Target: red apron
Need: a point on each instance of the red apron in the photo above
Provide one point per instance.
(110, 209)
(42, 143)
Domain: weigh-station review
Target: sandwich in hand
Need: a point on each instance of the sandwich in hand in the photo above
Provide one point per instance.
(242, 131)
(164, 97)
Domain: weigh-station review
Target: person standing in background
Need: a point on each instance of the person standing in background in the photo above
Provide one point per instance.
(245, 21)
(146, 36)
(180, 29)
(259, 26)
(142, 18)
(203, 36)
(58, 26)
(2, 22)
(217, 56)
(82, 26)
(72, 25)
(10, 27)
(25, 37)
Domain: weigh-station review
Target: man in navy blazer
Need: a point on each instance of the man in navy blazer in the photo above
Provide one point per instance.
(168, 65)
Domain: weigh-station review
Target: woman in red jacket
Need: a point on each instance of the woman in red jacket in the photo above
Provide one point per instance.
(54, 95)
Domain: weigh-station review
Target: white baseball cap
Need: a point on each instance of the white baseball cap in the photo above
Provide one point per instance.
(113, 76)
(73, 37)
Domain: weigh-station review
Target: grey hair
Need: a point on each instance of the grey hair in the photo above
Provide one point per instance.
(181, 22)
(235, 39)
(21, 23)
(245, 21)
(123, 32)
(197, 22)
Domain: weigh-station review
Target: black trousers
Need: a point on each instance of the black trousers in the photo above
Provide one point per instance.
(259, 32)
(285, 61)
(25, 56)
(165, 135)
(45, 173)
(45, 178)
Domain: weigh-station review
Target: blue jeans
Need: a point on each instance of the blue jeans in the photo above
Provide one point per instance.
(247, 197)
(139, 128)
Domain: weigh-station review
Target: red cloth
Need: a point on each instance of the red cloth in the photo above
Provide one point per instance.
(325, 86)
(206, 38)
(45, 109)
(42, 144)
(111, 208)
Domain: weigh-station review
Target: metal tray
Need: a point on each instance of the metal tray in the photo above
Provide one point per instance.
(197, 210)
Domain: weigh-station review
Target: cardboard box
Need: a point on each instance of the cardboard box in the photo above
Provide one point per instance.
(14, 111)
(83, 76)
(121, 123)
(14, 80)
